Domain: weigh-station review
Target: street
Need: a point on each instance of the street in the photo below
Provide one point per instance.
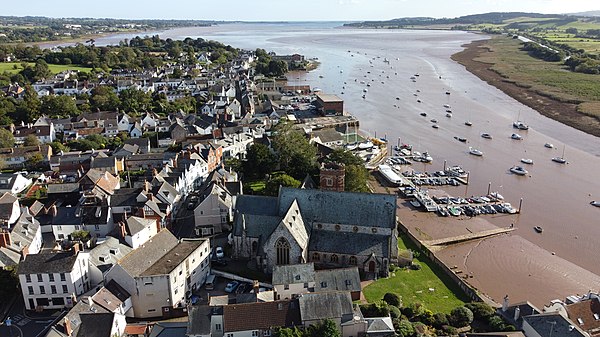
(27, 324)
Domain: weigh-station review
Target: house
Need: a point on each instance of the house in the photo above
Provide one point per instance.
(335, 305)
(305, 225)
(10, 209)
(169, 329)
(113, 165)
(328, 137)
(14, 182)
(143, 144)
(24, 238)
(103, 256)
(213, 214)
(551, 324)
(330, 105)
(294, 280)
(16, 157)
(136, 131)
(138, 231)
(236, 145)
(44, 133)
(50, 280)
(161, 274)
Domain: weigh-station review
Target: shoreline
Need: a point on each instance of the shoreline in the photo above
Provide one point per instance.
(563, 112)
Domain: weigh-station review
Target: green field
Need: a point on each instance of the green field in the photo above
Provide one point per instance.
(414, 285)
(54, 68)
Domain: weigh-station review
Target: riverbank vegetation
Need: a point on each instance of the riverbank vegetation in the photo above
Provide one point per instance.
(572, 98)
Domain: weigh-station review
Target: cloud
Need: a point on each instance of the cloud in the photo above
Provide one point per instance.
(348, 2)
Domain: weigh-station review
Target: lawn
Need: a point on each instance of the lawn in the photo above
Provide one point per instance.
(256, 186)
(414, 285)
(54, 68)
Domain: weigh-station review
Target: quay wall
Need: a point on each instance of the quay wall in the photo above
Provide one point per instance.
(470, 291)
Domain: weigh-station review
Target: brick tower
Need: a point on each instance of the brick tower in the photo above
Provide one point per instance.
(332, 177)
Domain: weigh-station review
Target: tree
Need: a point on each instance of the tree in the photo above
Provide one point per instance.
(34, 161)
(6, 138)
(58, 147)
(272, 187)
(356, 173)
(31, 140)
(81, 235)
(460, 317)
(8, 283)
(439, 320)
(297, 156)
(326, 328)
(104, 99)
(395, 312)
(392, 299)
(414, 309)
(133, 100)
(259, 161)
(288, 332)
(59, 106)
(29, 109)
(481, 310)
(377, 309)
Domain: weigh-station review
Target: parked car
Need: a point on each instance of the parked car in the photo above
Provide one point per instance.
(231, 286)
(242, 288)
(219, 252)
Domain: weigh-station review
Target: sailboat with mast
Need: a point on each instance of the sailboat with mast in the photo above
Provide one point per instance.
(561, 159)
(518, 124)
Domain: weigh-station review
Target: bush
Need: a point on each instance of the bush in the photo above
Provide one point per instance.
(496, 323)
(379, 309)
(481, 310)
(413, 310)
(395, 312)
(450, 330)
(392, 299)
(427, 317)
(404, 328)
(439, 320)
(460, 317)
(415, 266)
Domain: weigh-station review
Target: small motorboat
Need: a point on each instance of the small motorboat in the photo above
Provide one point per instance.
(468, 123)
(415, 203)
(423, 114)
(461, 139)
(538, 229)
(527, 161)
(475, 152)
(496, 196)
(447, 92)
(454, 211)
(442, 212)
(516, 136)
(449, 115)
(447, 106)
(518, 170)
(549, 145)
(520, 125)
(397, 98)
(435, 126)
(433, 120)
(418, 101)
(559, 160)
(486, 135)
(449, 111)
(595, 203)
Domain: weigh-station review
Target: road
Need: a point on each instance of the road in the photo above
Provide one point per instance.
(27, 324)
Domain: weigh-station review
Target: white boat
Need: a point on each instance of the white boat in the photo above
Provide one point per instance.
(447, 106)
(365, 146)
(475, 152)
(468, 123)
(595, 203)
(520, 125)
(365, 90)
(448, 115)
(527, 161)
(425, 157)
(516, 136)
(549, 145)
(486, 135)
(561, 159)
(496, 196)
(435, 126)
(518, 170)
(388, 173)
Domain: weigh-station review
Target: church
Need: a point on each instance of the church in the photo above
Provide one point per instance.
(331, 229)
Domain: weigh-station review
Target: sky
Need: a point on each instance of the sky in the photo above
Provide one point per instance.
(289, 10)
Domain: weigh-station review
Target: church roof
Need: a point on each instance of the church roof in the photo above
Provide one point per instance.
(337, 242)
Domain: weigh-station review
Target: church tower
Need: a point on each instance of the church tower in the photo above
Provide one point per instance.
(332, 177)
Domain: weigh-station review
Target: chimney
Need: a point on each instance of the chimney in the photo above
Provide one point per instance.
(76, 248)
(53, 210)
(517, 313)
(122, 229)
(256, 286)
(505, 304)
(67, 326)
(4, 239)
(90, 301)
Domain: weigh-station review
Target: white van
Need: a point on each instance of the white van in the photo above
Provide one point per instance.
(209, 284)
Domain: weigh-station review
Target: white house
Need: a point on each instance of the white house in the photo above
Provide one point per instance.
(162, 273)
(103, 257)
(14, 183)
(214, 211)
(10, 209)
(52, 280)
(139, 231)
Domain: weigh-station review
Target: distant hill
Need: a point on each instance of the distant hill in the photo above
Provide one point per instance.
(588, 13)
(474, 19)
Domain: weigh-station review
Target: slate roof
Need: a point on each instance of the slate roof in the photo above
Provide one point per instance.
(82, 307)
(342, 279)
(8, 257)
(95, 325)
(318, 306)
(174, 257)
(169, 329)
(45, 263)
(136, 224)
(348, 243)
(380, 325)
(103, 250)
(125, 197)
(365, 209)
(199, 320)
(560, 326)
(260, 316)
(294, 273)
(63, 188)
(257, 205)
(256, 225)
(144, 257)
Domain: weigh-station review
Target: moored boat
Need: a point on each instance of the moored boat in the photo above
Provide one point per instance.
(468, 123)
(538, 229)
(486, 135)
(595, 203)
(516, 136)
(520, 125)
(518, 170)
(527, 161)
(475, 152)
(549, 145)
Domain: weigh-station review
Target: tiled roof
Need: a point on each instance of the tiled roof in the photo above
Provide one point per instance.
(174, 257)
(260, 316)
(144, 257)
(44, 263)
(586, 314)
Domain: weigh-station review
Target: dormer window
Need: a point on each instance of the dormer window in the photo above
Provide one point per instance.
(323, 284)
(114, 251)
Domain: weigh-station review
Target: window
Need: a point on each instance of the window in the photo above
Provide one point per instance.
(229, 335)
(323, 284)
(374, 230)
(62, 277)
(218, 327)
(282, 247)
(353, 260)
(254, 333)
(305, 285)
(334, 258)
(65, 289)
(42, 290)
(97, 227)
(316, 257)
(28, 278)
(30, 290)
(348, 282)
(58, 301)
(151, 310)
(39, 277)
(51, 277)
(53, 289)
(286, 287)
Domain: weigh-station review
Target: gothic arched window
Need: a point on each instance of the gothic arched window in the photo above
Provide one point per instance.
(282, 246)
